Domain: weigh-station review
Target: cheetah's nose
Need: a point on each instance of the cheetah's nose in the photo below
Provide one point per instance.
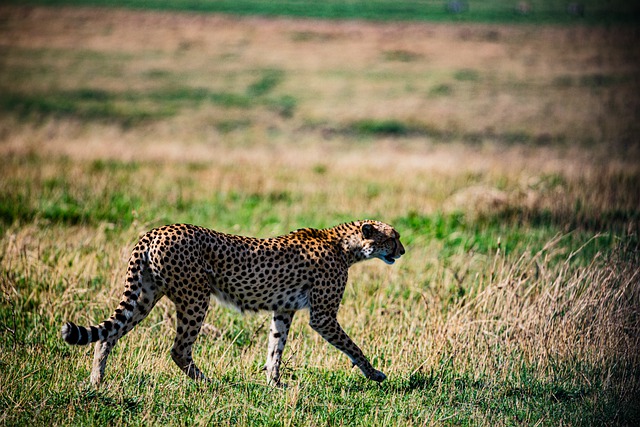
(400, 249)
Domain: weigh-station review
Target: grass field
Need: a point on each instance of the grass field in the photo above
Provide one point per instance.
(506, 156)
(503, 11)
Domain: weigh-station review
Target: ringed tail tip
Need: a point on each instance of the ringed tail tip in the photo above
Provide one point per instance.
(79, 335)
(70, 333)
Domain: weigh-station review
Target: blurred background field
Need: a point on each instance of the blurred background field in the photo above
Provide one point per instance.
(504, 11)
(505, 153)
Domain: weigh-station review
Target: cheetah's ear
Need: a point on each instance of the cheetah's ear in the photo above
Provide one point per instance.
(367, 231)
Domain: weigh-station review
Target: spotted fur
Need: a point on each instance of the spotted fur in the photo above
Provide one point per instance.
(306, 269)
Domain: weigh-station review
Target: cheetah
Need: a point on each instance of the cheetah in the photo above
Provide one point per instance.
(305, 269)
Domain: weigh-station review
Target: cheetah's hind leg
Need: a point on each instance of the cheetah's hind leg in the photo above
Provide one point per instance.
(139, 306)
(187, 328)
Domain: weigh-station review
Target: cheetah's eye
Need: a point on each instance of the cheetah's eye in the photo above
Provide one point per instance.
(367, 231)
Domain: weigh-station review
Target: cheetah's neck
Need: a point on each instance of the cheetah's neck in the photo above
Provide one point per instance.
(349, 239)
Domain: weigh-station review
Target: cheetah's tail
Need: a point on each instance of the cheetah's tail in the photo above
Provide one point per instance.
(79, 335)
(119, 320)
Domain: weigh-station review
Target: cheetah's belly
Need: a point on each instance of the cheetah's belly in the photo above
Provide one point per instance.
(260, 297)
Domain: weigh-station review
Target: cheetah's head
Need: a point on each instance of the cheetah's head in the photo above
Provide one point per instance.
(380, 240)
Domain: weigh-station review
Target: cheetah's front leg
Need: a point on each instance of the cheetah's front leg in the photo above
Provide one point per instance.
(328, 327)
(278, 332)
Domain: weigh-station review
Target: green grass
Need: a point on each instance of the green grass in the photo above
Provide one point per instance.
(502, 11)
(338, 399)
(381, 127)
(88, 214)
(138, 107)
(78, 259)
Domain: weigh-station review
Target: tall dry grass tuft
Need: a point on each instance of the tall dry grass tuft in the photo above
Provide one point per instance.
(572, 324)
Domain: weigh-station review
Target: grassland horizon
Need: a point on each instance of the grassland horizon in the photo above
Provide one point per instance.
(591, 12)
(506, 156)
